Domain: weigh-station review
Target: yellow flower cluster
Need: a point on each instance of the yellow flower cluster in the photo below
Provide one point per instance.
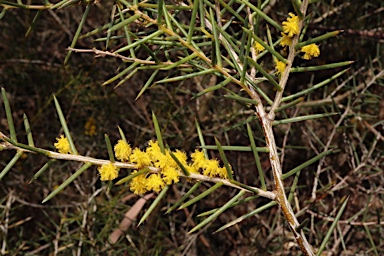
(108, 172)
(90, 127)
(280, 67)
(169, 170)
(310, 51)
(258, 47)
(122, 151)
(291, 28)
(62, 145)
(285, 40)
(210, 167)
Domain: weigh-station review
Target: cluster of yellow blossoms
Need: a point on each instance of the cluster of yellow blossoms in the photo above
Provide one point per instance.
(291, 28)
(62, 145)
(90, 127)
(169, 170)
(258, 47)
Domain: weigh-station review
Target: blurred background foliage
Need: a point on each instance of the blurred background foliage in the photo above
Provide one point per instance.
(32, 69)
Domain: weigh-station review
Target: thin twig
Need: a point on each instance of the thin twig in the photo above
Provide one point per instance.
(347, 222)
(4, 227)
(100, 53)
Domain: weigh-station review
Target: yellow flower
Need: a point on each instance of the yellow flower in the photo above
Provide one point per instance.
(211, 168)
(199, 160)
(138, 184)
(222, 172)
(62, 145)
(258, 47)
(170, 175)
(280, 67)
(157, 157)
(310, 51)
(153, 149)
(108, 172)
(192, 169)
(286, 40)
(140, 158)
(155, 183)
(291, 26)
(90, 127)
(181, 156)
(122, 150)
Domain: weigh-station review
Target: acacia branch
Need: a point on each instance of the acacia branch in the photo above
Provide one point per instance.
(267, 122)
(85, 159)
(266, 119)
